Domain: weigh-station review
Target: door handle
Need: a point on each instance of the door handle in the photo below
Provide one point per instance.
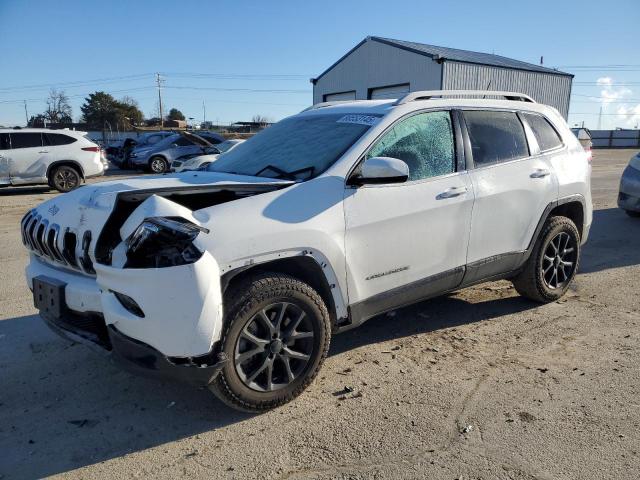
(43, 151)
(452, 192)
(540, 173)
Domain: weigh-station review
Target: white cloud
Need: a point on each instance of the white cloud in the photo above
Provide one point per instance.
(630, 115)
(610, 92)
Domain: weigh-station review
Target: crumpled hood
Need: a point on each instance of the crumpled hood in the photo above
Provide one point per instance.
(96, 206)
(102, 194)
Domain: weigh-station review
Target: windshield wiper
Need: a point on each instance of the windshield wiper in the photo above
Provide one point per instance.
(281, 173)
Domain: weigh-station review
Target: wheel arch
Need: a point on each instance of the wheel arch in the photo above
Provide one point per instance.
(307, 267)
(60, 163)
(572, 207)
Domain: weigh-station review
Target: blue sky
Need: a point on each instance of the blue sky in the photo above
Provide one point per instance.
(206, 49)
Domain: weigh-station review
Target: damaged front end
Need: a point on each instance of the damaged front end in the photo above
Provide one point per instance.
(131, 273)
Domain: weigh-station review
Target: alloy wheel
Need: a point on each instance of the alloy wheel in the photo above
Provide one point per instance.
(559, 261)
(157, 165)
(274, 347)
(65, 180)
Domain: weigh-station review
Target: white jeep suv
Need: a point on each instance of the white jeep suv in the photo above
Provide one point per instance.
(236, 277)
(60, 158)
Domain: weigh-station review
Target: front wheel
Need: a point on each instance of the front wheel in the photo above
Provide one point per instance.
(158, 165)
(553, 262)
(276, 339)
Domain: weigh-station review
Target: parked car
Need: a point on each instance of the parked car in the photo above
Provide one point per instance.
(197, 161)
(62, 159)
(584, 137)
(629, 196)
(158, 157)
(314, 225)
(126, 147)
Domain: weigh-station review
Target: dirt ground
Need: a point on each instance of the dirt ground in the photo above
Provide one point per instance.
(478, 384)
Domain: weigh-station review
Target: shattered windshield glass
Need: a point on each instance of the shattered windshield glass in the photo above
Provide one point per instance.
(299, 147)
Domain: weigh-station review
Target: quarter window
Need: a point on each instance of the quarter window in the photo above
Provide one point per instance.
(424, 142)
(54, 139)
(26, 140)
(495, 137)
(545, 134)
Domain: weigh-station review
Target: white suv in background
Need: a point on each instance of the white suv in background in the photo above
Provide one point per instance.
(60, 158)
(236, 277)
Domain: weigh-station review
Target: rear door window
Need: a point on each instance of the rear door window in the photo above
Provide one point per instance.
(54, 139)
(26, 140)
(183, 142)
(495, 137)
(544, 132)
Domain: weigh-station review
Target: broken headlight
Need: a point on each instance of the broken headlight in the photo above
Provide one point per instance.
(163, 242)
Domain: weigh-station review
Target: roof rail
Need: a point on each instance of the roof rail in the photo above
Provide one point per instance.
(428, 94)
(327, 104)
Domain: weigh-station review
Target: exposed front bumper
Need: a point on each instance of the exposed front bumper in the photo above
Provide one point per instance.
(629, 196)
(133, 355)
(182, 305)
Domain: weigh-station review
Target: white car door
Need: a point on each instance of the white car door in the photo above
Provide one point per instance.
(512, 183)
(408, 241)
(28, 157)
(5, 155)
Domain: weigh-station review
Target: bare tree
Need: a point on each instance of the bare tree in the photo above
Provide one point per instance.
(58, 108)
(260, 119)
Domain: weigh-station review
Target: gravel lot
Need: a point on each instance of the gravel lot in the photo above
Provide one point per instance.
(477, 384)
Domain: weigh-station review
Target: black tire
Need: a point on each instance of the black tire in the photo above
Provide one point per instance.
(65, 178)
(158, 164)
(553, 263)
(632, 213)
(303, 330)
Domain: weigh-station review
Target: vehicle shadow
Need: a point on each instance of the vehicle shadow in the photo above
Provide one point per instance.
(428, 316)
(613, 241)
(64, 406)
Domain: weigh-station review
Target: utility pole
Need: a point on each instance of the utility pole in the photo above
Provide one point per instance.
(26, 114)
(159, 82)
(204, 112)
(600, 119)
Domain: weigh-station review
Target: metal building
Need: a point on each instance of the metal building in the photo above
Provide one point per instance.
(385, 68)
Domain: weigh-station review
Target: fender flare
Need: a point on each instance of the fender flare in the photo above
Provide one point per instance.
(335, 287)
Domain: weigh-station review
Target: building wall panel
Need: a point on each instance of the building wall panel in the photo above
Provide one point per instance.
(374, 65)
(549, 89)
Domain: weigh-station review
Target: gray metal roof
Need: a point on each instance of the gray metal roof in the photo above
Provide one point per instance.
(455, 54)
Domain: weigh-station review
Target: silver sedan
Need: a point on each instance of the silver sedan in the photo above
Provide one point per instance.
(629, 196)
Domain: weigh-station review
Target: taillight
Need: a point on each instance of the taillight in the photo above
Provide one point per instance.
(91, 149)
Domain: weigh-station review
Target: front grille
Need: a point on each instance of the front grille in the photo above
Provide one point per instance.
(49, 241)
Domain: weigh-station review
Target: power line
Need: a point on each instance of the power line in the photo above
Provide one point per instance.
(253, 90)
(77, 83)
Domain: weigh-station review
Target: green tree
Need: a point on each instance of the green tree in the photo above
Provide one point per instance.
(100, 108)
(37, 121)
(175, 114)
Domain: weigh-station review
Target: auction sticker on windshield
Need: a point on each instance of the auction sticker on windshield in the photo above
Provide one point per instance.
(359, 119)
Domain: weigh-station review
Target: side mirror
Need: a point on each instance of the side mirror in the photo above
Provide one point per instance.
(377, 170)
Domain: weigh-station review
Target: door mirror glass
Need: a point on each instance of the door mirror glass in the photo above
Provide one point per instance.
(377, 170)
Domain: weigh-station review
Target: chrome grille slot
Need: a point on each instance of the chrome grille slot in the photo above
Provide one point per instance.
(85, 260)
(69, 247)
(40, 237)
(48, 240)
(52, 242)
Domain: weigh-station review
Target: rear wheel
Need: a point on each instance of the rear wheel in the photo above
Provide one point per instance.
(276, 339)
(65, 178)
(553, 262)
(158, 165)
